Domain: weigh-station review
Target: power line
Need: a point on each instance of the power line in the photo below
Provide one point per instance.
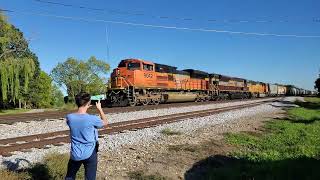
(161, 26)
(139, 13)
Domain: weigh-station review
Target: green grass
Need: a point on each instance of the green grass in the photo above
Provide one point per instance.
(312, 99)
(13, 111)
(311, 103)
(303, 115)
(53, 167)
(285, 140)
(17, 111)
(68, 107)
(170, 132)
(289, 149)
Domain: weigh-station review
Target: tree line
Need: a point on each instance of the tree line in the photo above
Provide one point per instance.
(317, 85)
(24, 85)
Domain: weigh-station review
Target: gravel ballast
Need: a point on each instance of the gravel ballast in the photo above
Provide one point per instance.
(145, 136)
(53, 125)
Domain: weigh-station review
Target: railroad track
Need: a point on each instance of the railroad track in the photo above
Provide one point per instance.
(40, 116)
(25, 143)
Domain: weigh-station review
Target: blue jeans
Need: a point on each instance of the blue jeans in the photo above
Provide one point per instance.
(90, 166)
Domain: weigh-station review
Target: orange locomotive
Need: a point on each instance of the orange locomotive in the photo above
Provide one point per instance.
(136, 81)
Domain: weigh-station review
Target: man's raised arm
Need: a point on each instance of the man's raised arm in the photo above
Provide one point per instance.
(101, 113)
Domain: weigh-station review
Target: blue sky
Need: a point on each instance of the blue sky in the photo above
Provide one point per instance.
(287, 60)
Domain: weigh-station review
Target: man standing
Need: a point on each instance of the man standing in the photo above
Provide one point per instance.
(84, 137)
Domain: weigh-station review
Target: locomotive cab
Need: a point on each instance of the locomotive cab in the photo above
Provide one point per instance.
(133, 72)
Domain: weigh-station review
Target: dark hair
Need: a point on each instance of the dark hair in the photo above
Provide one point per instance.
(82, 98)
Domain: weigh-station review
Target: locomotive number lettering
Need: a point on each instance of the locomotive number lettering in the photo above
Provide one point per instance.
(146, 75)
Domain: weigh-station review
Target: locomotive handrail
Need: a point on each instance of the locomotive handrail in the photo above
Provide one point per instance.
(128, 83)
(213, 87)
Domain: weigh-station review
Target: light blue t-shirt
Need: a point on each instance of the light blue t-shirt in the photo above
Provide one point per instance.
(84, 134)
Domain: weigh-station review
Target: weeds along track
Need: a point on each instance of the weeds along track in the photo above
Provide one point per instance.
(40, 116)
(40, 141)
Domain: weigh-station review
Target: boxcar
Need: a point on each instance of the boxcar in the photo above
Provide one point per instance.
(273, 90)
(282, 90)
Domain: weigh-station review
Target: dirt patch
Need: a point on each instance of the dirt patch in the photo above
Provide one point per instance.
(172, 156)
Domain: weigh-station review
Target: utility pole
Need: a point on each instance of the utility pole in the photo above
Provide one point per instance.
(107, 41)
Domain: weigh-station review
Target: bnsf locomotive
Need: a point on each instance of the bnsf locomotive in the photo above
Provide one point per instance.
(139, 82)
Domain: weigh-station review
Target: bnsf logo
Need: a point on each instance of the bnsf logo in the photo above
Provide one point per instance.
(147, 75)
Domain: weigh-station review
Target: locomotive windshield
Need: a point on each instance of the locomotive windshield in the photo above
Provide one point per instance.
(122, 64)
(133, 66)
(147, 67)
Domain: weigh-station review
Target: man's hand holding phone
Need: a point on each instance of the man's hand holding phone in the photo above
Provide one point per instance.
(101, 113)
(98, 105)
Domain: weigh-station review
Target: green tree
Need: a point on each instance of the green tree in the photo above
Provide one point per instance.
(77, 75)
(18, 65)
(40, 95)
(44, 93)
(12, 43)
(15, 78)
(57, 96)
(317, 85)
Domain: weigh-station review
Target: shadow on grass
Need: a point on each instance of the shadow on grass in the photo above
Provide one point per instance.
(309, 121)
(308, 105)
(53, 167)
(224, 167)
(36, 172)
(292, 120)
(13, 166)
(39, 171)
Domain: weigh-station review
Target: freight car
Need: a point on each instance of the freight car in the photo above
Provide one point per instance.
(292, 91)
(273, 90)
(282, 90)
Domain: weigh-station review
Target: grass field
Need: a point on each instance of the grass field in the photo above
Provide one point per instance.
(13, 111)
(18, 111)
(288, 149)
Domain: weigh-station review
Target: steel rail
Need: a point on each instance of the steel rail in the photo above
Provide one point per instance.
(39, 116)
(23, 143)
